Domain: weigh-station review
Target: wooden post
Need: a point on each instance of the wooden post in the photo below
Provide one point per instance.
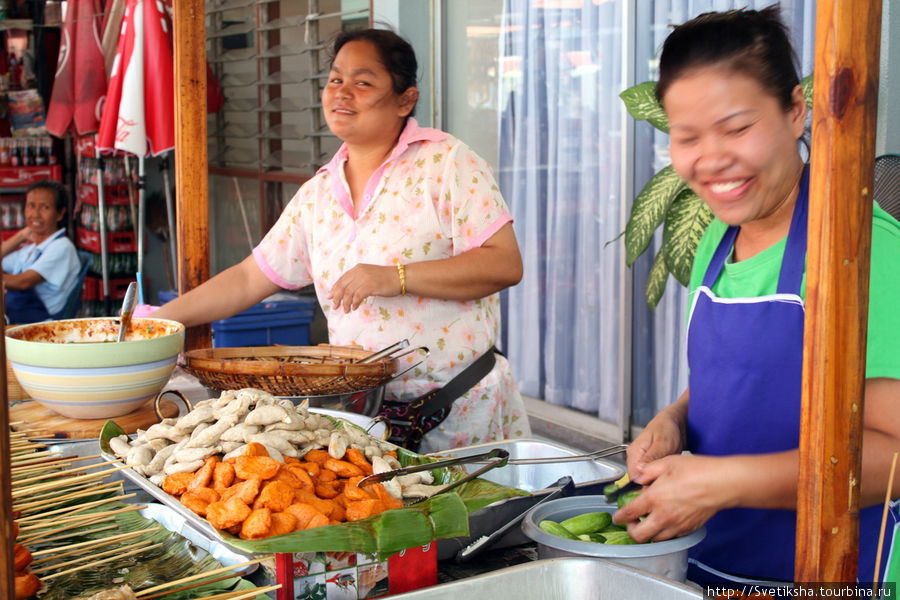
(7, 569)
(191, 178)
(839, 245)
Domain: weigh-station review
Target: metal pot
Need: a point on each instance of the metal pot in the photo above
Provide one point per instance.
(363, 402)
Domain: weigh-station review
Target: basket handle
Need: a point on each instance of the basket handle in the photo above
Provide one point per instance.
(185, 403)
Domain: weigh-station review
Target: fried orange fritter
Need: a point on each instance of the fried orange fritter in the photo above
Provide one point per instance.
(263, 467)
(227, 513)
(177, 484)
(223, 476)
(282, 522)
(204, 475)
(304, 514)
(275, 495)
(245, 491)
(198, 499)
(257, 524)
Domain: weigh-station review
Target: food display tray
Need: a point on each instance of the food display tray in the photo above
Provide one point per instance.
(589, 476)
(193, 519)
(173, 521)
(595, 579)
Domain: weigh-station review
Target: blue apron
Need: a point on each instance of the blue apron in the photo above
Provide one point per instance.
(745, 357)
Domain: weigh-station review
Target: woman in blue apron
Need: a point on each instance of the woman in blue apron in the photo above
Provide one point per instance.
(736, 113)
(39, 275)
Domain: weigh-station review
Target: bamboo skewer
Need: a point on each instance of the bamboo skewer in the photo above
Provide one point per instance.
(22, 446)
(134, 546)
(57, 484)
(89, 521)
(62, 473)
(242, 594)
(71, 509)
(189, 587)
(89, 531)
(78, 491)
(884, 514)
(163, 586)
(61, 551)
(51, 462)
(100, 562)
(44, 524)
(32, 456)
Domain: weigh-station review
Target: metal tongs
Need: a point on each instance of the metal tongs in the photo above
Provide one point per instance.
(555, 459)
(495, 458)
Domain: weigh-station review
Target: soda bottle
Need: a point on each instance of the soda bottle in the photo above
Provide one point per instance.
(48, 150)
(14, 156)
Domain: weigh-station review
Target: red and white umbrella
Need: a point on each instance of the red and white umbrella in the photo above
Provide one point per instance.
(139, 112)
(79, 85)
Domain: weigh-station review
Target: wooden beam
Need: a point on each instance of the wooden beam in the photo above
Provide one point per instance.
(840, 215)
(191, 181)
(7, 569)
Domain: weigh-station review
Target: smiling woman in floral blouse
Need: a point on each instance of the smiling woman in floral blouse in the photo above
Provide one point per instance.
(405, 236)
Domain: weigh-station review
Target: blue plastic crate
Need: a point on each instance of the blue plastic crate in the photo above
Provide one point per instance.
(279, 319)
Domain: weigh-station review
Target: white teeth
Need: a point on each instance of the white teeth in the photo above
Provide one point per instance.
(720, 188)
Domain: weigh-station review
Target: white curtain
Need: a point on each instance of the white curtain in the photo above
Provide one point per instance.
(559, 169)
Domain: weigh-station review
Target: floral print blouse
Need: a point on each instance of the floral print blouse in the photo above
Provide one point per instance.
(432, 198)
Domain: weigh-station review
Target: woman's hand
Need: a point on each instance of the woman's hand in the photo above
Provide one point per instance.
(15, 240)
(685, 491)
(362, 281)
(663, 436)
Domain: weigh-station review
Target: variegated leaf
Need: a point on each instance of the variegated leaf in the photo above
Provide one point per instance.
(656, 281)
(807, 84)
(640, 101)
(686, 220)
(649, 210)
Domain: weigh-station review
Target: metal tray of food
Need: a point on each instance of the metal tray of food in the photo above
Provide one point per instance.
(192, 518)
(173, 521)
(589, 475)
(585, 578)
(91, 448)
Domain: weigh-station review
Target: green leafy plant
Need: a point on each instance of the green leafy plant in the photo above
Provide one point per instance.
(668, 201)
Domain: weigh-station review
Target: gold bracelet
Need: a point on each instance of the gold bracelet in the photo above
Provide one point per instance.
(401, 272)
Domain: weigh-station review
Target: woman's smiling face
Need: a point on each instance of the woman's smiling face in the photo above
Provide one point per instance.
(734, 144)
(41, 215)
(359, 101)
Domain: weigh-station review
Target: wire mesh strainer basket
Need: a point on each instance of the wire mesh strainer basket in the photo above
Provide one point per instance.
(289, 370)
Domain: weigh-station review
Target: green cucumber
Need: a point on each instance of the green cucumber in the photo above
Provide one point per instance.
(588, 522)
(554, 528)
(618, 538)
(627, 497)
(612, 527)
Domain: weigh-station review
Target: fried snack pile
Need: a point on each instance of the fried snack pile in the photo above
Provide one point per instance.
(225, 425)
(27, 583)
(256, 496)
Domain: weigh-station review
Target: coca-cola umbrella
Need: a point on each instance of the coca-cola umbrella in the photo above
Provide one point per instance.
(138, 115)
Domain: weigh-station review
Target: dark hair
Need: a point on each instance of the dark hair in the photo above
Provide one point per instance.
(753, 42)
(395, 53)
(60, 195)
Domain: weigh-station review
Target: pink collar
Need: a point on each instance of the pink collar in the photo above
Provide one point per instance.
(411, 134)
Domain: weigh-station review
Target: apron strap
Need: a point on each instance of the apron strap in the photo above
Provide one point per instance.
(794, 263)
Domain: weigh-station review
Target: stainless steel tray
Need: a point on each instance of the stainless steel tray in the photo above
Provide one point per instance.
(92, 448)
(590, 476)
(192, 518)
(171, 520)
(583, 578)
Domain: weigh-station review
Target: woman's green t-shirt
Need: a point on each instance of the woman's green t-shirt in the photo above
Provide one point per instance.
(758, 276)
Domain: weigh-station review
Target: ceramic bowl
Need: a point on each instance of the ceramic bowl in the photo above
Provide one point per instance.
(667, 558)
(76, 368)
